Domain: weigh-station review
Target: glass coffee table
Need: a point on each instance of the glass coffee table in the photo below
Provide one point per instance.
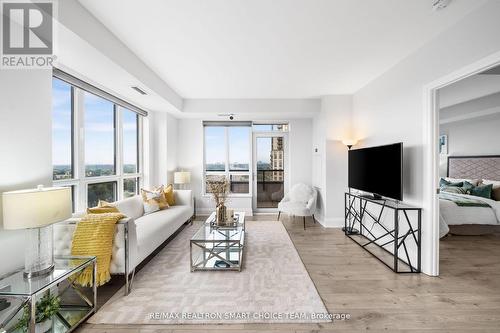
(215, 248)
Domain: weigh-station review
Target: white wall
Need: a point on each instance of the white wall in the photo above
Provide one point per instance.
(473, 87)
(190, 158)
(479, 136)
(391, 109)
(25, 146)
(161, 150)
(330, 127)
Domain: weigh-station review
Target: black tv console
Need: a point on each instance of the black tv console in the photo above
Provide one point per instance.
(389, 230)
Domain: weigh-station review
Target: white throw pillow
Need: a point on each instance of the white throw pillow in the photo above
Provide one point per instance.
(153, 200)
(131, 207)
(301, 193)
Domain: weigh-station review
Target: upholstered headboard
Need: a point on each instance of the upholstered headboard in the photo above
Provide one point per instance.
(474, 167)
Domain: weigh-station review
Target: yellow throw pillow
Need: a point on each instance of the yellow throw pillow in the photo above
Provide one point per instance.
(169, 194)
(103, 203)
(153, 200)
(102, 210)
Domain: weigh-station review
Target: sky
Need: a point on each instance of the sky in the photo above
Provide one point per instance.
(239, 148)
(99, 128)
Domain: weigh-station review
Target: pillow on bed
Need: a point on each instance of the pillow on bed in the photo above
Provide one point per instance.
(454, 189)
(495, 191)
(445, 183)
(474, 182)
(468, 186)
(483, 191)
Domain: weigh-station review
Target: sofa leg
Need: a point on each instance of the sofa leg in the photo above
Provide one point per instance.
(279, 213)
(304, 223)
(127, 285)
(129, 280)
(314, 219)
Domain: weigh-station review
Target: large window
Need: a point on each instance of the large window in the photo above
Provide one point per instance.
(130, 130)
(62, 130)
(102, 162)
(99, 136)
(227, 154)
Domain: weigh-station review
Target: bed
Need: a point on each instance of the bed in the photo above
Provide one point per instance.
(474, 219)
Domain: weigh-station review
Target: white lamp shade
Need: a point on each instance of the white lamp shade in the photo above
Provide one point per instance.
(36, 208)
(182, 177)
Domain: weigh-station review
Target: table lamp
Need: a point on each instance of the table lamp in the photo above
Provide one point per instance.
(36, 210)
(182, 178)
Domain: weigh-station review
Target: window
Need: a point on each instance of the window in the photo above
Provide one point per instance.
(101, 191)
(239, 148)
(130, 135)
(270, 127)
(104, 162)
(227, 154)
(130, 187)
(99, 136)
(215, 156)
(62, 130)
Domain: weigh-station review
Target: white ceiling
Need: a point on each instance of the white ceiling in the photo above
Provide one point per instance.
(273, 48)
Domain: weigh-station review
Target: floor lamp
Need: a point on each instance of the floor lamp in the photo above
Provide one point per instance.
(350, 229)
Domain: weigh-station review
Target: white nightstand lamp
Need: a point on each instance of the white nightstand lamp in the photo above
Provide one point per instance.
(36, 210)
(182, 178)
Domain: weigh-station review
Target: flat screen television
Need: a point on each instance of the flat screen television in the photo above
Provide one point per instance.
(377, 170)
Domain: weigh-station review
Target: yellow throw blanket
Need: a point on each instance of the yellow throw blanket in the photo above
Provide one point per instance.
(94, 236)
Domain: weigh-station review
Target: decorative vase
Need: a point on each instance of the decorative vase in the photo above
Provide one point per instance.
(44, 326)
(220, 214)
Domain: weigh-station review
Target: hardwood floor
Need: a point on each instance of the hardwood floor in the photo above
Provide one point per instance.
(465, 298)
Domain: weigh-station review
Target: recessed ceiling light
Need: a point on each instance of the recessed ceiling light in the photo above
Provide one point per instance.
(139, 90)
(440, 4)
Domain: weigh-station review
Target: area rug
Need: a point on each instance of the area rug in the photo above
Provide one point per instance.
(273, 286)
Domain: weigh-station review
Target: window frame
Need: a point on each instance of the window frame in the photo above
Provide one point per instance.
(227, 172)
(80, 181)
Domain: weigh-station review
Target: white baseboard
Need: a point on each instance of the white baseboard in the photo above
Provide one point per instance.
(332, 222)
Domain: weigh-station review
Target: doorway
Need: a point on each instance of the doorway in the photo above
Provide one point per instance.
(270, 158)
(432, 155)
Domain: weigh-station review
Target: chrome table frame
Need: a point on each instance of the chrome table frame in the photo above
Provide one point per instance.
(219, 246)
(29, 300)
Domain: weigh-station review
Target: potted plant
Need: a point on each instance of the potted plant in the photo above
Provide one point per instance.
(219, 188)
(46, 307)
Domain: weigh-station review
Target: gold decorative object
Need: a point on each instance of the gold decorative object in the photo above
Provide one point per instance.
(219, 188)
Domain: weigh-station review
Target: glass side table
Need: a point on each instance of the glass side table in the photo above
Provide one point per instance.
(19, 295)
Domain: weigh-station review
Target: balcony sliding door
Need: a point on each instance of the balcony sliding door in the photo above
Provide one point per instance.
(270, 163)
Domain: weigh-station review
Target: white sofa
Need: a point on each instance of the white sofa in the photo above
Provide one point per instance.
(300, 201)
(137, 236)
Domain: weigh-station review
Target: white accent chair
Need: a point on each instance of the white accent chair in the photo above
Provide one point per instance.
(299, 201)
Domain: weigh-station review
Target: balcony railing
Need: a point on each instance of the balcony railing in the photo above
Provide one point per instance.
(270, 188)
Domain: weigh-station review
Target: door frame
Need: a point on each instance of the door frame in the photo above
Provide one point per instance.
(431, 151)
(286, 165)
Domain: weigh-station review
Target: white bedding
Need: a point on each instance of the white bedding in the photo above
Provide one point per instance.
(452, 214)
